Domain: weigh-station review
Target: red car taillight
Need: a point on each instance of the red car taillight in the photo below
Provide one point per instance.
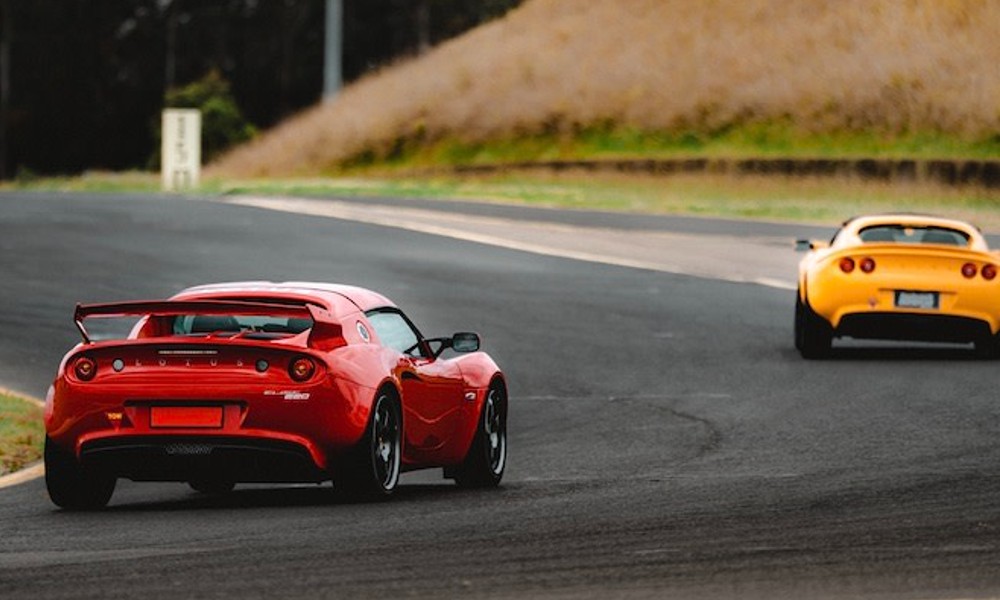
(847, 264)
(302, 369)
(989, 272)
(85, 368)
(867, 265)
(969, 270)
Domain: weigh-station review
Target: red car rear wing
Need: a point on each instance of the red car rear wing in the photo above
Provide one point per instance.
(326, 331)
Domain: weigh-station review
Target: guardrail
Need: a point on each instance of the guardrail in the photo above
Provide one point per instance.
(978, 173)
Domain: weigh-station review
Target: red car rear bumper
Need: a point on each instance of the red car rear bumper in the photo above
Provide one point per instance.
(175, 432)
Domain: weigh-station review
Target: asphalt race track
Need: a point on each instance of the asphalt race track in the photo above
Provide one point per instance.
(666, 439)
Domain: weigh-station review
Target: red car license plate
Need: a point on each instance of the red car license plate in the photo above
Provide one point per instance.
(185, 416)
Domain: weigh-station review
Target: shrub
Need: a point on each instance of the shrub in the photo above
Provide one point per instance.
(222, 123)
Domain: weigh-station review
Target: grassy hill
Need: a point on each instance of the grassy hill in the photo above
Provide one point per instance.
(585, 78)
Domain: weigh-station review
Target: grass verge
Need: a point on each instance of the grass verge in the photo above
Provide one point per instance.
(763, 139)
(90, 181)
(22, 433)
(804, 200)
(821, 200)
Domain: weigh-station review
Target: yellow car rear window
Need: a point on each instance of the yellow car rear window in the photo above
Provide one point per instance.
(904, 234)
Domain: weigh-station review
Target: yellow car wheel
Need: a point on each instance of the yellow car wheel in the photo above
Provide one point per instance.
(988, 348)
(813, 335)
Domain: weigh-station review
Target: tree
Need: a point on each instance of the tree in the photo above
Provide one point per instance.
(86, 77)
(222, 123)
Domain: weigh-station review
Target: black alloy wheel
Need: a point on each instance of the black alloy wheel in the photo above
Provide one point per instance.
(487, 457)
(372, 469)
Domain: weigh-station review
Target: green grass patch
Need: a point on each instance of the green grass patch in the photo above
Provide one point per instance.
(754, 139)
(825, 200)
(91, 181)
(806, 200)
(22, 433)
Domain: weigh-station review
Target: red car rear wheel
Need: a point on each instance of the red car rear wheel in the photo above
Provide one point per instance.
(372, 469)
(70, 485)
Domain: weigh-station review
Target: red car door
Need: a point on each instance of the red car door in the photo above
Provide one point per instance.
(432, 388)
(433, 394)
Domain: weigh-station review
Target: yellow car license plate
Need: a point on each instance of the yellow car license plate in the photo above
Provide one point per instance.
(925, 300)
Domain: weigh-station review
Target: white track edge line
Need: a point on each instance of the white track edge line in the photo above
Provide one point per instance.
(22, 396)
(489, 240)
(29, 473)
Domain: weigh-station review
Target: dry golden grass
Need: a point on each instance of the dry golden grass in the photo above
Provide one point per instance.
(892, 66)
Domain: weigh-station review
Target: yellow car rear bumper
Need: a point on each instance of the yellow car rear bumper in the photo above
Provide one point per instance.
(864, 301)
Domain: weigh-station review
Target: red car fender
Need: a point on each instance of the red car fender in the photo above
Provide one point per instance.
(49, 405)
(350, 427)
(478, 369)
(354, 371)
(479, 372)
(359, 364)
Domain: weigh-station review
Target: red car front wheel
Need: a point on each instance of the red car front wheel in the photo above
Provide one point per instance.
(372, 469)
(487, 457)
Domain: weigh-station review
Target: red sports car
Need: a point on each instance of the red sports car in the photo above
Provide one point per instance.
(270, 382)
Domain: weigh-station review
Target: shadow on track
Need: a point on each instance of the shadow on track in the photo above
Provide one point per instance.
(896, 353)
(290, 497)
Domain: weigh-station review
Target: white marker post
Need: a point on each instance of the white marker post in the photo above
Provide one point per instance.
(180, 154)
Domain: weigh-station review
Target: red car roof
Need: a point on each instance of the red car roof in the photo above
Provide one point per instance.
(337, 298)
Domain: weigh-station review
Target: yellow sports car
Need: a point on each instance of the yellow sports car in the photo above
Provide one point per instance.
(898, 277)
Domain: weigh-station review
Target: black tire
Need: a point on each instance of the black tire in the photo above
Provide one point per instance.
(798, 321)
(212, 487)
(487, 457)
(371, 470)
(70, 485)
(813, 334)
(988, 347)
